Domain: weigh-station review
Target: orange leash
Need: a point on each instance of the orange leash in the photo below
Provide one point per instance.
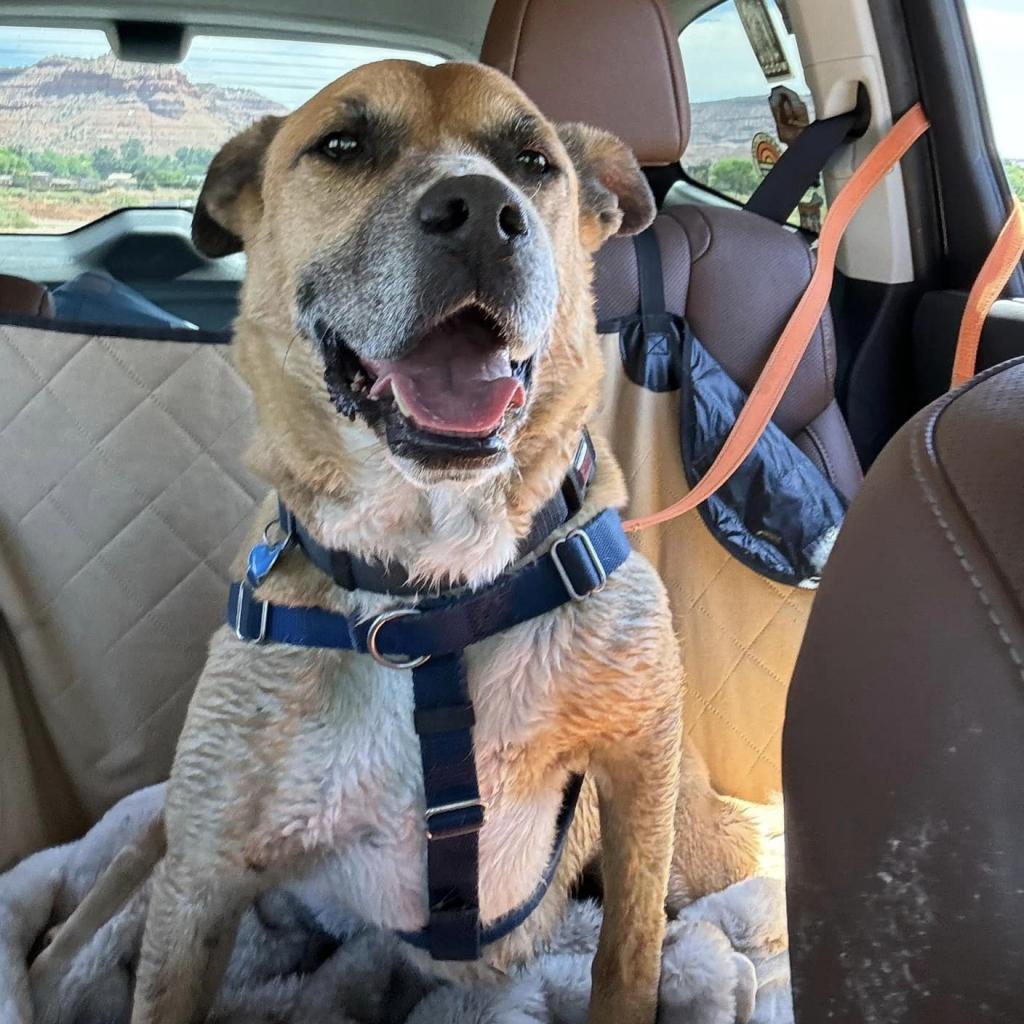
(995, 272)
(778, 371)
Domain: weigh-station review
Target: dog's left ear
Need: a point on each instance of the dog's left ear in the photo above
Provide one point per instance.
(614, 195)
(231, 202)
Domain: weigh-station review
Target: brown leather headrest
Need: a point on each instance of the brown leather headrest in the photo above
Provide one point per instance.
(614, 64)
(24, 298)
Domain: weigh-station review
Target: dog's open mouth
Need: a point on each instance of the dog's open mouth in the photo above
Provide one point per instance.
(452, 397)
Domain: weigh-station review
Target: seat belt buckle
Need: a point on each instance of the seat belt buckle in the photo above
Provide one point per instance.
(250, 616)
(461, 818)
(577, 551)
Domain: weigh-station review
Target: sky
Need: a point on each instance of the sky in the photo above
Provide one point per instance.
(719, 62)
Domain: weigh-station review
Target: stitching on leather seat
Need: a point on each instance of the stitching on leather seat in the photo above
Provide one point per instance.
(933, 503)
(822, 451)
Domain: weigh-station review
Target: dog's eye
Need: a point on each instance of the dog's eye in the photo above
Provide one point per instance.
(534, 162)
(338, 145)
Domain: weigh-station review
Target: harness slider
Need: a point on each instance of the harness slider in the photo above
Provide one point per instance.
(246, 605)
(593, 566)
(462, 823)
(449, 718)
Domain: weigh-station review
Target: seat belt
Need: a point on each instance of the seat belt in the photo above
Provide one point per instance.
(801, 164)
(782, 364)
(988, 286)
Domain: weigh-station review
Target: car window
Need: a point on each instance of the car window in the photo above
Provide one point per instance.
(745, 80)
(83, 134)
(998, 30)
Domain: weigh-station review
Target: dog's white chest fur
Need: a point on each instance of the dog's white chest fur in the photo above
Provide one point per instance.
(367, 809)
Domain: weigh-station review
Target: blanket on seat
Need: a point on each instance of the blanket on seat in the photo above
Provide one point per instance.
(724, 960)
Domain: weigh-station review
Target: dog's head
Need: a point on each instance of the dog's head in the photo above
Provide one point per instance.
(418, 242)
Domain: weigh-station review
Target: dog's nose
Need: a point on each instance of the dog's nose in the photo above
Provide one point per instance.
(473, 210)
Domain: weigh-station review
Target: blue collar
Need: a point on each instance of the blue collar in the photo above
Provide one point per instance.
(429, 639)
(354, 573)
(574, 567)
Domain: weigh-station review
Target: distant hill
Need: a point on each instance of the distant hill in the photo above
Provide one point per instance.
(722, 128)
(76, 106)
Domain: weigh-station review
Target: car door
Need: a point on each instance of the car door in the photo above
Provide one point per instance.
(972, 87)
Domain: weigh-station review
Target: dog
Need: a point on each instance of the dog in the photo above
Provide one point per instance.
(417, 330)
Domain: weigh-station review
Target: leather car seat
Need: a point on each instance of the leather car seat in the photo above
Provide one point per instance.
(903, 753)
(735, 277)
(21, 297)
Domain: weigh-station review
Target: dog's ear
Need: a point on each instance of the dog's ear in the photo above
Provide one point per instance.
(231, 203)
(614, 195)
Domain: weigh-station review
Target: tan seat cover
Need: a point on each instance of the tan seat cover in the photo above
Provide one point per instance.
(739, 631)
(123, 502)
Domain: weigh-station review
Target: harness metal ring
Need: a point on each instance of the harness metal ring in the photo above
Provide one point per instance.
(285, 537)
(371, 640)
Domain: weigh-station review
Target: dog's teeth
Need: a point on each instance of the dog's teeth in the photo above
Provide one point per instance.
(402, 407)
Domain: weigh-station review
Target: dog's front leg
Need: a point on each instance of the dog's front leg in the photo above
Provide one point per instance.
(637, 782)
(190, 932)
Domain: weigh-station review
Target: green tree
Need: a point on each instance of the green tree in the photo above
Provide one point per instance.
(735, 176)
(105, 161)
(49, 160)
(13, 162)
(1015, 172)
(132, 155)
(700, 172)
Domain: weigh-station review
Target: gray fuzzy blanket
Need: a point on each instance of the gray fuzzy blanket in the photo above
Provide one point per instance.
(724, 960)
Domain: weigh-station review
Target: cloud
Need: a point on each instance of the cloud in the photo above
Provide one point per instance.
(720, 64)
(998, 30)
(288, 71)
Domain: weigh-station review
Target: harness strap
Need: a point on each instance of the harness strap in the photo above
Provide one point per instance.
(454, 812)
(785, 358)
(354, 573)
(500, 927)
(575, 566)
(430, 639)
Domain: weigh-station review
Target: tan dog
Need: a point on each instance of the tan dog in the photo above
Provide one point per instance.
(417, 330)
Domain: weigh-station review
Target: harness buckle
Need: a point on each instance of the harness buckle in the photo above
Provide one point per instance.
(243, 614)
(464, 824)
(595, 564)
(371, 641)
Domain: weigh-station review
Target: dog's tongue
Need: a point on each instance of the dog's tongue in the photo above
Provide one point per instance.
(457, 380)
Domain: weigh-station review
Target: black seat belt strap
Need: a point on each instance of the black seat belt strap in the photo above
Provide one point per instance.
(800, 165)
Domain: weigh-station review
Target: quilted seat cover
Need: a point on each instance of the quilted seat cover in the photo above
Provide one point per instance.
(739, 631)
(123, 501)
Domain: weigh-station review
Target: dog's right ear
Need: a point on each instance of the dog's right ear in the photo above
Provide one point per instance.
(614, 195)
(231, 202)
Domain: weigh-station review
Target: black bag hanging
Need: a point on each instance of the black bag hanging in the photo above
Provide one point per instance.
(778, 514)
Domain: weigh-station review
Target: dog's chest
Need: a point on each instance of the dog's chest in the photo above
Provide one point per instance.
(369, 807)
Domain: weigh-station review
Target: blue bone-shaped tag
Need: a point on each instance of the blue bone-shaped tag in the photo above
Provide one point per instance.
(262, 559)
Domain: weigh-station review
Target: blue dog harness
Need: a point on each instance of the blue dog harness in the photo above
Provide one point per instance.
(429, 639)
